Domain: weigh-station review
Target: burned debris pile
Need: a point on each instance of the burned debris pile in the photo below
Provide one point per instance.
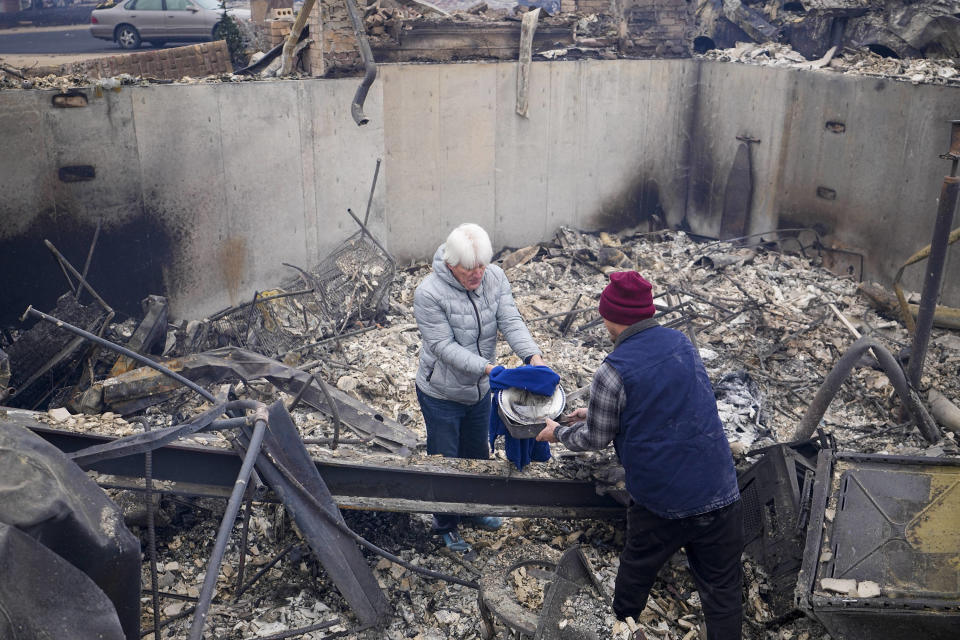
(318, 374)
(916, 41)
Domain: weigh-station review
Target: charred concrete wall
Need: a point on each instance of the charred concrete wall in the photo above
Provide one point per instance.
(855, 157)
(598, 150)
(205, 190)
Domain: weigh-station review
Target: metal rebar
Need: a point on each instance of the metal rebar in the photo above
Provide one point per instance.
(285, 294)
(360, 539)
(244, 533)
(831, 385)
(33, 313)
(373, 187)
(370, 235)
(333, 410)
(151, 532)
(76, 274)
(301, 631)
(277, 558)
(296, 399)
(226, 525)
(946, 207)
(86, 265)
(348, 334)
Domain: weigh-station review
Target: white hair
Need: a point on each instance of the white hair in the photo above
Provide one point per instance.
(468, 246)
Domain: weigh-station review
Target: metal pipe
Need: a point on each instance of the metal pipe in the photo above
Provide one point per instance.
(33, 313)
(370, 67)
(934, 277)
(938, 258)
(226, 525)
(831, 385)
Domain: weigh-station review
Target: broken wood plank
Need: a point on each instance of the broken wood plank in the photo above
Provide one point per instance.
(527, 29)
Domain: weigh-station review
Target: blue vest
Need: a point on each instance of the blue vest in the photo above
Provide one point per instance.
(671, 441)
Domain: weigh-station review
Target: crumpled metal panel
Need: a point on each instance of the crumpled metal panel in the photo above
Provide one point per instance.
(775, 493)
(888, 525)
(338, 553)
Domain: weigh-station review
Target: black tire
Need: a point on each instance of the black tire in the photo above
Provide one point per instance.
(127, 36)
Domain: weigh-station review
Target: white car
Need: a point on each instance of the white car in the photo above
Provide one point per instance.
(131, 22)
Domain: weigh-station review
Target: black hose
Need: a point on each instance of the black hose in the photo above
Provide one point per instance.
(831, 385)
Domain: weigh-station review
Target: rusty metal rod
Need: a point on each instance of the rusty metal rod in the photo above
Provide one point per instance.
(151, 533)
(226, 525)
(76, 274)
(86, 265)
(33, 313)
(244, 534)
(258, 300)
(333, 410)
(373, 187)
(831, 385)
(302, 630)
(370, 235)
(277, 558)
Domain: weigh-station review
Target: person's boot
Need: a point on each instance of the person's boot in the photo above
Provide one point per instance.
(453, 542)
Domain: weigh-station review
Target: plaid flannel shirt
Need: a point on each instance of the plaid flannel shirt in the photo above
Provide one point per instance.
(607, 399)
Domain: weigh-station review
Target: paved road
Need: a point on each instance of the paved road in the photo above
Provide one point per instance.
(58, 40)
(72, 39)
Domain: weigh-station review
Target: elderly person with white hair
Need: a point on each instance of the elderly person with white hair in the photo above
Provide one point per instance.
(460, 308)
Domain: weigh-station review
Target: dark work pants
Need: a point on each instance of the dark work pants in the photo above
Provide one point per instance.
(713, 542)
(455, 430)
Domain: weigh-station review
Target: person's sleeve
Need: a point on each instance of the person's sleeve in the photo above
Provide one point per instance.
(603, 413)
(437, 336)
(511, 324)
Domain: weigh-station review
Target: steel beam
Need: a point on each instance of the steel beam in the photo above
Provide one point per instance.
(209, 471)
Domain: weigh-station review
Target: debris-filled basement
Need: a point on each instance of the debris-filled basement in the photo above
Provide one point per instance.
(548, 319)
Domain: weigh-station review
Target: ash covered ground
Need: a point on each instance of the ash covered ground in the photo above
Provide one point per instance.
(767, 321)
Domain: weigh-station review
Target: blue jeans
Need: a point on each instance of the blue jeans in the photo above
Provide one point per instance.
(455, 430)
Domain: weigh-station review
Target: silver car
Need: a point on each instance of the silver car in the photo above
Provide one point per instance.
(131, 22)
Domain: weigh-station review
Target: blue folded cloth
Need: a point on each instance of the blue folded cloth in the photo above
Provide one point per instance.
(536, 379)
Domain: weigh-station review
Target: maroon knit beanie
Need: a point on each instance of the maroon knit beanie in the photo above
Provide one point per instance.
(627, 299)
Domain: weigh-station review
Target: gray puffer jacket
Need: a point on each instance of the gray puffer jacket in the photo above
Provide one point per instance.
(459, 331)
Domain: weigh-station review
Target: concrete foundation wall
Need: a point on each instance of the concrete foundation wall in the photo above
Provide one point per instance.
(458, 152)
(204, 191)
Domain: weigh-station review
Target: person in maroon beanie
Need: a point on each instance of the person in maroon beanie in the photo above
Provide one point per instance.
(652, 398)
